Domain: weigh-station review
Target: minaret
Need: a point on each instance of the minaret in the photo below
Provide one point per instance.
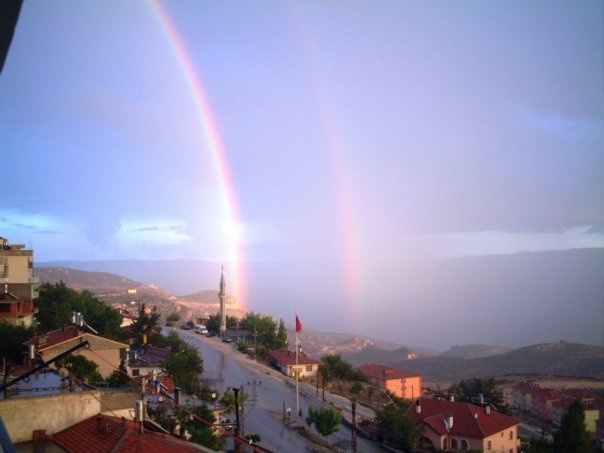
(222, 297)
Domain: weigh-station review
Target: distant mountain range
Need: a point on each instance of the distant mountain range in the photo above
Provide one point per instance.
(507, 300)
(459, 362)
(555, 359)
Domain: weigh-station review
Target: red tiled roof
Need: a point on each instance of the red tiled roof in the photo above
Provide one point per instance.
(166, 384)
(287, 357)
(55, 337)
(103, 434)
(468, 419)
(66, 333)
(381, 372)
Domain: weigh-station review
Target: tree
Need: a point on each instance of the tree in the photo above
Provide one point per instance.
(199, 424)
(335, 367)
(146, 325)
(396, 426)
(281, 339)
(184, 364)
(82, 368)
(173, 318)
(572, 436)
(11, 341)
(326, 420)
(470, 390)
(56, 303)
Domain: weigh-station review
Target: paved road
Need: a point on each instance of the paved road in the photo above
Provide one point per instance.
(268, 393)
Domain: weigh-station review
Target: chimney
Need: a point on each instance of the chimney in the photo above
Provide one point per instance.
(487, 409)
(418, 407)
(452, 398)
(449, 422)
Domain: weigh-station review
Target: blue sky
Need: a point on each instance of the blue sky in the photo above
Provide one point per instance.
(355, 133)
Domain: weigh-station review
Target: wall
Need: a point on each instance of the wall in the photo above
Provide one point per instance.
(54, 413)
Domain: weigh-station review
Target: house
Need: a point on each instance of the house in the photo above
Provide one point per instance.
(459, 426)
(285, 361)
(400, 383)
(592, 407)
(146, 360)
(542, 405)
(104, 352)
(522, 396)
(20, 285)
(103, 433)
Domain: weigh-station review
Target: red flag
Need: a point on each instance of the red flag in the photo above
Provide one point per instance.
(298, 324)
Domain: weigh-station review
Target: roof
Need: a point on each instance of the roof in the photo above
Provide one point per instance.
(287, 357)
(166, 386)
(381, 372)
(67, 334)
(147, 356)
(469, 420)
(102, 434)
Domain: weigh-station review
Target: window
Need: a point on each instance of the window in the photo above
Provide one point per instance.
(511, 435)
(454, 443)
(135, 372)
(489, 446)
(444, 444)
(464, 445)
(308, 368)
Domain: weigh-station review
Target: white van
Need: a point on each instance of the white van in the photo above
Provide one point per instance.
(203, 330)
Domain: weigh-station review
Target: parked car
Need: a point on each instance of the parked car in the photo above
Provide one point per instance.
(202, 330)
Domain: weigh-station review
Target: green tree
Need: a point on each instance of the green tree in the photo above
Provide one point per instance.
(11, 341)
(396, 426)
(199, 424)
(264, 330)
(56, 303)
(470, 389)
(541, 445)
(146, 325)
(173, 318)
(281, 339)
(335, 367)
(572, 436)
(83, 369)
(326, 420)
(184, 364)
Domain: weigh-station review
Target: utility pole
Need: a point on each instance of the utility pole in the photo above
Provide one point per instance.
(353, 430)
(236, 392)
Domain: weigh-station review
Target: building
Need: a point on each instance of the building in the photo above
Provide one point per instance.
(103, 433)
(285, 361)
(104, 352)
(19, 285)
(457, 426)
(146, 360)
(522, 396)
(403, 384)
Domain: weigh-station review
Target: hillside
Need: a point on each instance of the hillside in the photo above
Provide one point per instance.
(556, 359)
(117, 291)
(474, 351)
(459, 362)
(95, 282)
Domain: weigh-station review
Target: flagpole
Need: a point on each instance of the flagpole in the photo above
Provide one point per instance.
(297, 373)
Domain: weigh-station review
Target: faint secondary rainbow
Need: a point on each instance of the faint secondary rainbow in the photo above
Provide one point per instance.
(211, 135)
(347, 221)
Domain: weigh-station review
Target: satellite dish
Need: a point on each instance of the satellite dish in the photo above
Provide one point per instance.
(63, 372)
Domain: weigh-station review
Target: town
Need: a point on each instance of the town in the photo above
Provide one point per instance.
(78, 372)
